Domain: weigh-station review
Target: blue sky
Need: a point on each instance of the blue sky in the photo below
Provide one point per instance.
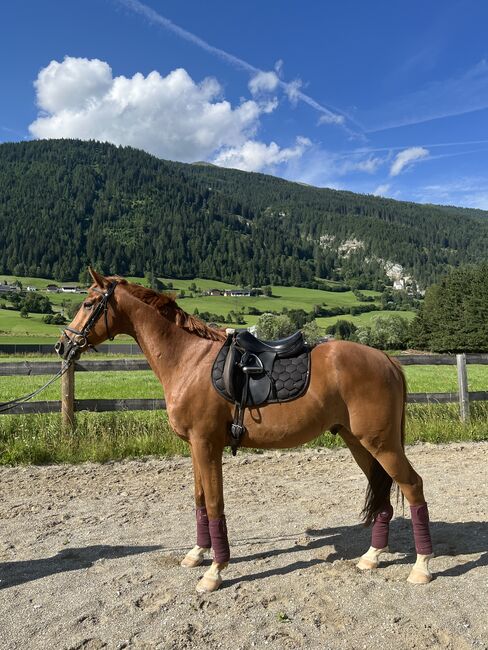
(388, 98)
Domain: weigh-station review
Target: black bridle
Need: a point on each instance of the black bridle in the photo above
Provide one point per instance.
(80, 340)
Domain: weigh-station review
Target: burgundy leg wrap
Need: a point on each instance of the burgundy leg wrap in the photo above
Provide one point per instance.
(203, 532)
(421, 532)
(381, 526)
(220, 542)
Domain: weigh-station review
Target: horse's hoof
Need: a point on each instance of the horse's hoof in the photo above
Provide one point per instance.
(194, 558)
(417, 577)
(190, 562)
(371, 559)
(211, 579)
(208, 584)
(364, 564)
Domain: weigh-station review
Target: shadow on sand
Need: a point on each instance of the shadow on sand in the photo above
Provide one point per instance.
(69, 559)
(349, 542)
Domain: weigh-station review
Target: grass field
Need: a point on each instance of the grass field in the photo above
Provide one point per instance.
(14, 329)
(104, 436)
(143, 384)
(39, 439)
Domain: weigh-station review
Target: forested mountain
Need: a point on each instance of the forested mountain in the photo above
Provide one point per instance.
(64, 203)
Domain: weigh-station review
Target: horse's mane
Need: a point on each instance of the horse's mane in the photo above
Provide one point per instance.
(165, 304)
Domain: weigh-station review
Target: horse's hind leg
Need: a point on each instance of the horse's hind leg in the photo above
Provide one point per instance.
(196, 556)
(379, 492)
(396, 464)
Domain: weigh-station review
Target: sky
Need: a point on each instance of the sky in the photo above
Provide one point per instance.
(386, 98)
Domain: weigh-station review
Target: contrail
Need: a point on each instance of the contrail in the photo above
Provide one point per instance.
(153, 16)
(364, 150)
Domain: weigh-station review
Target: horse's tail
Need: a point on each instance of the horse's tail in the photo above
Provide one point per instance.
(379, 486)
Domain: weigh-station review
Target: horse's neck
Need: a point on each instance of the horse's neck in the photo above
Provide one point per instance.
(168, 348)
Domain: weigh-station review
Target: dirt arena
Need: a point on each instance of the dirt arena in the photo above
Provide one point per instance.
(89, 557)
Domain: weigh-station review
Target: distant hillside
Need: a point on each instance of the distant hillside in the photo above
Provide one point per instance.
(64, 203)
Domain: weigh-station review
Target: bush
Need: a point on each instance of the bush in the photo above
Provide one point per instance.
(312, 333)
(59, 319)
(342, 329)
(386, 333)
(271, 327)
(54, 319)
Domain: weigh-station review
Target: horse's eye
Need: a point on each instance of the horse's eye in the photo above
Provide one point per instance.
(87, 305)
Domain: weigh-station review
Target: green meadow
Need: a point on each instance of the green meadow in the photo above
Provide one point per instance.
(15, 329)
(105, 436)
(100, 437)
(143, 384)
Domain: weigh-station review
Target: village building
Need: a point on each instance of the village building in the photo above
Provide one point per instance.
(8, 288)
(237, 293)
(69, 289)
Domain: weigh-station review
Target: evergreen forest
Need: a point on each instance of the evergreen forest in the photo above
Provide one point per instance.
(67, 203)
(454, 315)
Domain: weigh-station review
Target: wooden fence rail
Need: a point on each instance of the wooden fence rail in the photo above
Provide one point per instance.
(69, 405)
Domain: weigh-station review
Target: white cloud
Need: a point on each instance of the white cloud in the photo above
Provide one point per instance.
(73, 84)
(370, 165)
(257, 156)
(469, 192)
(407, 157)
(278, 66)
(382, 189)
(331, 118)
(171, 117)
(263, 82)
(293, 92)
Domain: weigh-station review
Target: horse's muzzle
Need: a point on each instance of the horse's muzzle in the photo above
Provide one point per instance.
(69, 348)
(59, 348)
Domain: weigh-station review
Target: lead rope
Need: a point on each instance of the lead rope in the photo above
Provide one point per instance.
(6, 406)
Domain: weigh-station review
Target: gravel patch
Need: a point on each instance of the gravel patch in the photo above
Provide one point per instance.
(89, 556)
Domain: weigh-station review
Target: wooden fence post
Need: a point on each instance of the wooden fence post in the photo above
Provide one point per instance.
(68, 398)
(463, 387)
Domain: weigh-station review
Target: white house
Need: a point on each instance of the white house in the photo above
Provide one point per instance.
(237, 293)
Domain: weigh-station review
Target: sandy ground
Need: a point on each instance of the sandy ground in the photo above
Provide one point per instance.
(89, 557)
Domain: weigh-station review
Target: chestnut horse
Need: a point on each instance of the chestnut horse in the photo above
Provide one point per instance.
(355, 391)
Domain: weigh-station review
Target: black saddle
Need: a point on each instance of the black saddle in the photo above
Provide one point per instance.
(249, 373)
(284, 347)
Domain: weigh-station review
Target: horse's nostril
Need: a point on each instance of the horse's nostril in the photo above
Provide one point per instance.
(59, 347)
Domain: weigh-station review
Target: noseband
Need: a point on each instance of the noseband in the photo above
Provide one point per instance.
(81, 336)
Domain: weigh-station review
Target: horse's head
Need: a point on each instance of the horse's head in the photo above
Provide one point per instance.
(94, 321)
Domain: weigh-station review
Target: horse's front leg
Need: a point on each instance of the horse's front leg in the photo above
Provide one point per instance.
(197, 554)
(207, 459)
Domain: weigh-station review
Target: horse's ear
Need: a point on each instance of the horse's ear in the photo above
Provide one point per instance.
(96, 277)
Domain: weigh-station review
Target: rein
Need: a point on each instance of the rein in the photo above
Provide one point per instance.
(6, 406)
(80, 341)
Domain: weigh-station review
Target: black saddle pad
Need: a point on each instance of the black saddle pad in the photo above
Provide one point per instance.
(282, 379)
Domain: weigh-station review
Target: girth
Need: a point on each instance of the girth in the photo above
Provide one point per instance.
(251, 373)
